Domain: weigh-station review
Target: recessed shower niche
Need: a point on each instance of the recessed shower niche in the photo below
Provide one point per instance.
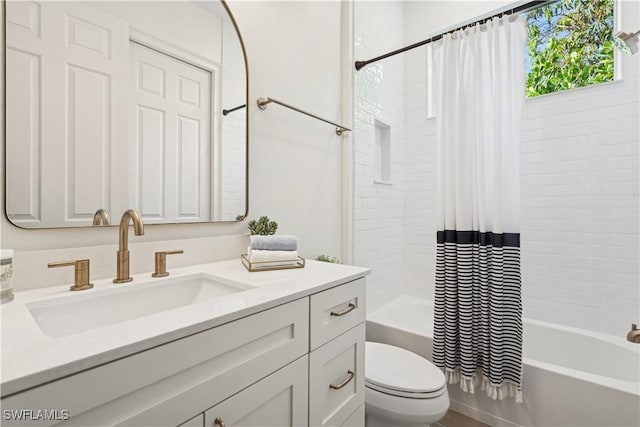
(382, 159)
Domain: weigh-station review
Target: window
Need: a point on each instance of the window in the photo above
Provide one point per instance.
(570, 45)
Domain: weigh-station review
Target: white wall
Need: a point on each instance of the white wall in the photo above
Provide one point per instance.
(295, 162)
(379, 95)
(579, 186)
(294, 51)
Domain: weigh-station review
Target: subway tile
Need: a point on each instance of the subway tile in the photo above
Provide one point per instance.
(579, 190)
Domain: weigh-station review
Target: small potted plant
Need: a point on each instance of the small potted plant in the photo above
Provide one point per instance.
(327, 258)
(262, 226)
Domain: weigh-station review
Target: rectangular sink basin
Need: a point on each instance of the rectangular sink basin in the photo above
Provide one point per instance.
(73, 314)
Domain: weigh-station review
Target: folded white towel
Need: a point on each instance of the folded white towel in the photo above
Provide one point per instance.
(269, 256)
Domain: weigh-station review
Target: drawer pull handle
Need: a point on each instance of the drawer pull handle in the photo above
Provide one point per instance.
(349, 309)
(350, 375)
(218, 421)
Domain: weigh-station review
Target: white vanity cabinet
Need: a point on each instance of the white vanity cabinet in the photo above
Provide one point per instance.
(336, 362)
(329, 382)
(300, 363)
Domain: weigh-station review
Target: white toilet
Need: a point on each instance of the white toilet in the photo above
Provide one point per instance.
(402, 388)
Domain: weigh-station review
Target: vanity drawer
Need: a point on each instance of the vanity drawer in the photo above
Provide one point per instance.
(277, 400)
(335, 311)
(168, 384)
(336, 379)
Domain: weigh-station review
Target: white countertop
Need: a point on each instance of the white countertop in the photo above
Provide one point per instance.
(31, 358)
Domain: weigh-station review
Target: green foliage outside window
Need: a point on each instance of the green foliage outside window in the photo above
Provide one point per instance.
(570, 45)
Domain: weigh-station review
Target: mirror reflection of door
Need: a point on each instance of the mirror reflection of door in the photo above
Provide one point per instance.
(118, 105)
(171, 113)
(62, 120)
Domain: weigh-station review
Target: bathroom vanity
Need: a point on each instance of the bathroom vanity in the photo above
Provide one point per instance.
(215, 345)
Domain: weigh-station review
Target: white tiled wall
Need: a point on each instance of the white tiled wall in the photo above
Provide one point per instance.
(420, 175)
(379, 208)
(580, 193)
(579, 180)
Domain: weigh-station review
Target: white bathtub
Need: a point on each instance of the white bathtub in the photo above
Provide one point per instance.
(572, 377)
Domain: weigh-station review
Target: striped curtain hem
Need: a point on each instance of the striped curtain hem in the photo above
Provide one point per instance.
(478, 312)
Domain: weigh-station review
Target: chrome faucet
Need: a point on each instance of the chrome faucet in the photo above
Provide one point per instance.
(634, 334)
(101, 217)
(123, 251)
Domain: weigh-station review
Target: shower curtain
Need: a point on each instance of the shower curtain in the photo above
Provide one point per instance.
(478, 312)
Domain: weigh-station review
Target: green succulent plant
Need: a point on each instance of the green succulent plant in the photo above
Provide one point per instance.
(327, 258)
(262, 226)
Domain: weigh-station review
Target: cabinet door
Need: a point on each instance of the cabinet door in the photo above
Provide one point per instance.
(197, 421)
(355, 420)
(278, 400)
(336, 379)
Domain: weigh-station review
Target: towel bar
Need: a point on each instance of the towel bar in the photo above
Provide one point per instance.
(262, 104)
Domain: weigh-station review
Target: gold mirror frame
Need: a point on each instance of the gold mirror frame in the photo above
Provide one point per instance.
(247, 103)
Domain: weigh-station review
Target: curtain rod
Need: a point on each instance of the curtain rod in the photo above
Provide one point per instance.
(522, 8)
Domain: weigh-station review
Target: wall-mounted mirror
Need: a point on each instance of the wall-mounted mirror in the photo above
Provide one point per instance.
(115, 105)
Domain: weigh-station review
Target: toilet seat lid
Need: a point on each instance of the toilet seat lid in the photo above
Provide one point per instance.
(396, 369)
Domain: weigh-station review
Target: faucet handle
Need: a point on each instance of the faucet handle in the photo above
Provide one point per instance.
(81, 273)
(161, 262)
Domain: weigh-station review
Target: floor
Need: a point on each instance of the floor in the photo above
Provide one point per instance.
(456, 419)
